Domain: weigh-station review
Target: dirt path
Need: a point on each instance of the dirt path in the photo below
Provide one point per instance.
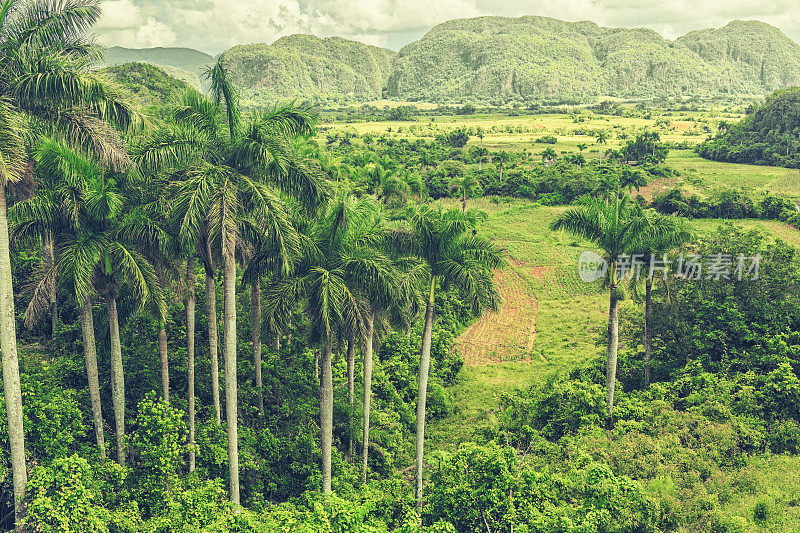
(507, 334)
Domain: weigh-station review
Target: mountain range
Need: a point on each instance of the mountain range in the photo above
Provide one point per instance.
(499, 59)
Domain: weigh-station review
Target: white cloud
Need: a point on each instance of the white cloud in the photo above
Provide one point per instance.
(119, 15)
(154, 33)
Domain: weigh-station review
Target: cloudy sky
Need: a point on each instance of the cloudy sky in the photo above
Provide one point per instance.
(215, 25)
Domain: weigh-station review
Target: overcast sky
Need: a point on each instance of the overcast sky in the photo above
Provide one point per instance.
(215, 25)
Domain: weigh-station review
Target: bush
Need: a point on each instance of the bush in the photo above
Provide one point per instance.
(71, 496)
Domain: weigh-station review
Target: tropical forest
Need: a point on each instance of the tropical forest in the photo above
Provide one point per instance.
(513, 274)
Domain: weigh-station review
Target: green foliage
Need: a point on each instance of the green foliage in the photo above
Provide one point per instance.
(482, 488)
(401, 112)
(307, 67)
(159, 443)
(536, 59)
(768, 135)
(72, 496)
(455, 139)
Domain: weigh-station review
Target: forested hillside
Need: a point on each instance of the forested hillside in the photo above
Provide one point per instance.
(545, 58)
(768, 135)
(497, 60)
(148, 86)
(304, 66)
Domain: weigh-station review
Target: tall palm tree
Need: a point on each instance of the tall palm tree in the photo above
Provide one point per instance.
(387, 277)
(229, 169)
(465, 187)
(55, 211)
(501, 158)
(103, 256)
(455, 258)
(44, 75)
(602, 139)
(321, 281)
(548, 156)
(674, 234)
(632, 179)
(12, 169)
(618, 227)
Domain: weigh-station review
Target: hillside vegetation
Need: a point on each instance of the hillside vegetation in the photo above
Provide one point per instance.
(304, 66)
(149, 86)
(768, 135)
(539, 57)
(497, 60)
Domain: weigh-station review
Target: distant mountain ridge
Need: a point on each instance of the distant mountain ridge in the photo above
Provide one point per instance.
(498, 59)
(186, 59)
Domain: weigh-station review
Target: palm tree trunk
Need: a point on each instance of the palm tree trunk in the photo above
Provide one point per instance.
(326, 416)
(351, 389)
(276, 342)
(231, 391)
(213, 342)
(191, 303)
(92, 375)
(117, 377)
(163, 357)
(367, 394)
(48, 251)
(255, 328)
(424, 368)
(648, 335)
(613, 339)
(11, 384)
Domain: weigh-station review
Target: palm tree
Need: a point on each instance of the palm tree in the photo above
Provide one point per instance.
(582, 147)
(632, 179)
(54, 212)
(602, 139)
(502, 158)
(228, 171)
(455, 258)
(466, 186)
(674, 233)
(618, 227)
(103, 256)
(548, 156)
(12, 151)
(191, 303)
(479, 153)
(45, 77)
(321, 280)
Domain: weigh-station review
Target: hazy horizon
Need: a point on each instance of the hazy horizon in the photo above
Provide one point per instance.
(213, 26)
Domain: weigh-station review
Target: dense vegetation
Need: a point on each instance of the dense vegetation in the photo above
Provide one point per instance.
(539, 59)
(310, 68)
(768, 135)
(147, 86)
(220, 321)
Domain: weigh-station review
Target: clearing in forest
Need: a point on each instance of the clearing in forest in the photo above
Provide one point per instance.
(507, 334)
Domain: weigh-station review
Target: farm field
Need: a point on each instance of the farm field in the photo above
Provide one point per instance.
(549, 322)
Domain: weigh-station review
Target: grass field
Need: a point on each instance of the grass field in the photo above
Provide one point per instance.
(550, 320)
(705, 178)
